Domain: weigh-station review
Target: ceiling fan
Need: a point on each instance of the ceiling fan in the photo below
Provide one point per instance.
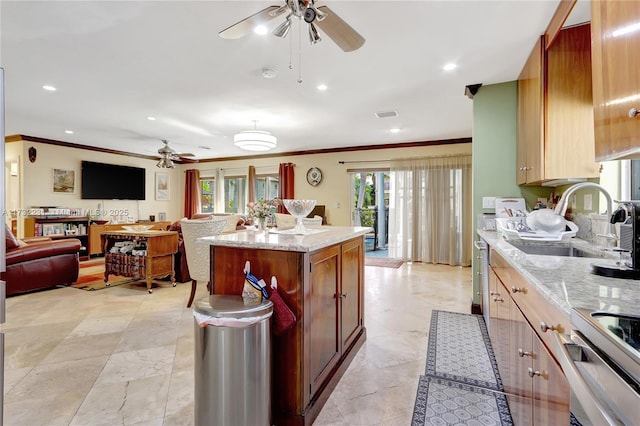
(324, 18)
(168, 155)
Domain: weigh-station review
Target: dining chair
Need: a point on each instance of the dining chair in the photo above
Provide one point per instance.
(197, 253)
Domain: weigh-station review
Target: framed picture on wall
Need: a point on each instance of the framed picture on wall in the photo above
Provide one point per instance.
(162, 186)
(64, 181)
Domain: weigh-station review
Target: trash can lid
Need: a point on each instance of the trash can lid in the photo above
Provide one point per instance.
(231, 306)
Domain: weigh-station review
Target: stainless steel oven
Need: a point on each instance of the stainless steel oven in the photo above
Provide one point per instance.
(601, 359)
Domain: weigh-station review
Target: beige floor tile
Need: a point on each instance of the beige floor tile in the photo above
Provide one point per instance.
(123, 356)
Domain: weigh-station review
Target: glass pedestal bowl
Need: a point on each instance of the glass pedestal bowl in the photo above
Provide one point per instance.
(299, 209)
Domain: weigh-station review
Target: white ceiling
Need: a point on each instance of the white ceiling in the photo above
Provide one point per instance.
(115, 63)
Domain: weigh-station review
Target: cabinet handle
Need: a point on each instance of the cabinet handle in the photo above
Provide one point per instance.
(517, 290)
(479, 273)
(633, 113)
(544, 327)
(343, 296)
(498, 299)
(522, 353)
(494, 293)
(533, 373)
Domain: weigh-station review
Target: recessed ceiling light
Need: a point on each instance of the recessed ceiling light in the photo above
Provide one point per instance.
(150, 118)
(450, 66)
(49, 88)
(260, 30)
(69, 132)
(322, 87)
(395, 130)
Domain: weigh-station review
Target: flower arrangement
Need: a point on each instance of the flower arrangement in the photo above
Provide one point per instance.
(262, 208)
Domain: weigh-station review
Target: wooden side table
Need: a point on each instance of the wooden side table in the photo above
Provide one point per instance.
(157, 262)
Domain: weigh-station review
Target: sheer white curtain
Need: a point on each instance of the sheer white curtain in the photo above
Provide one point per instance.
(430, 210)
(219, 192)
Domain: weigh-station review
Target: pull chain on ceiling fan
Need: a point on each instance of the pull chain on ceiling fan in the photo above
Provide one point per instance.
(321, 17)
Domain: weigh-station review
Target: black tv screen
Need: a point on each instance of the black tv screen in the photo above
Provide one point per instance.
(102, 181)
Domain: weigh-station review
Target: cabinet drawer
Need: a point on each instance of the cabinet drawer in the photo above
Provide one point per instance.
(535, 307)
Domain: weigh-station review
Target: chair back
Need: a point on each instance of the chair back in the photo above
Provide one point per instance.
(197, 253)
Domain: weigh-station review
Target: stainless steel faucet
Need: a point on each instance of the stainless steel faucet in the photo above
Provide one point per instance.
(561, 208)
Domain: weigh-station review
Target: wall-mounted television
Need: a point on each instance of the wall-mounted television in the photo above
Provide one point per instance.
(101, 181)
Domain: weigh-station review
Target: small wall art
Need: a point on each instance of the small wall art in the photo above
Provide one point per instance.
(64, 181)
(162, 186)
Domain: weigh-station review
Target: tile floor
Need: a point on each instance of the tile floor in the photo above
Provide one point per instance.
(122, 356)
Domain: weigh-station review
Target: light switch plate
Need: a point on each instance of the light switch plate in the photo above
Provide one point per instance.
(488, 202)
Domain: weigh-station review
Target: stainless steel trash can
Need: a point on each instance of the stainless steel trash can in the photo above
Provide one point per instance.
(232, 362)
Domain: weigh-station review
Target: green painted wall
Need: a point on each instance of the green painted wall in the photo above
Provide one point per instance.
(494, 151)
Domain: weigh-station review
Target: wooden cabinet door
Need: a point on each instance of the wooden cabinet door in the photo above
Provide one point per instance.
(351, 295)
(500, 310)
(521, 357)
(323, 315)
(95, 244)
(569, 135)
(551, 393)
(616, 78)
(530, 135)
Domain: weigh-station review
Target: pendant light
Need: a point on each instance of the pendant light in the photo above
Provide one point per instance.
(255, 140)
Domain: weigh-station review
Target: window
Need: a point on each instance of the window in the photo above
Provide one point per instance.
(267, 187)
(207, 195)
(235, 189)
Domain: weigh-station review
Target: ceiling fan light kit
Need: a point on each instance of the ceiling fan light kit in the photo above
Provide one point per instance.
(165, 163)
(331, 24)
(255, 140)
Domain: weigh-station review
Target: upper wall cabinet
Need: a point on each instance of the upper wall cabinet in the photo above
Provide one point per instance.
(555, 111)
(616, 78)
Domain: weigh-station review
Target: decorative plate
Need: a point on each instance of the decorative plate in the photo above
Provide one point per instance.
(314, 176)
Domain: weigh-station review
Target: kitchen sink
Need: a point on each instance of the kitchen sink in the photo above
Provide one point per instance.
(556, 250)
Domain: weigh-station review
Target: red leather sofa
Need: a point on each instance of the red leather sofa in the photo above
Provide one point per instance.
(40, 263)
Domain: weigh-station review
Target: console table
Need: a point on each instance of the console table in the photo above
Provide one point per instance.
(156, 263)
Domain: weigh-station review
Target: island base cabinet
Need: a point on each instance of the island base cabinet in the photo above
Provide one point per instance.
(324, 289)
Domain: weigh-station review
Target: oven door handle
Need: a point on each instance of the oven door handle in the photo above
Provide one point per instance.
(596, 409)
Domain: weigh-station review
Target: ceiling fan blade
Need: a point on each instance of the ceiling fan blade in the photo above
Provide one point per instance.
(244, 27)
(339, 31)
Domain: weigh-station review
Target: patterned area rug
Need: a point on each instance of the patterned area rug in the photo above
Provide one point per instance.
(99, 284)
(383, 262)
(91, 276)
(459, 350)
(443, 402)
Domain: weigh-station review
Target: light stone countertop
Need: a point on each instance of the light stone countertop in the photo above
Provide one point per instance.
(567, 281)
(318, 238)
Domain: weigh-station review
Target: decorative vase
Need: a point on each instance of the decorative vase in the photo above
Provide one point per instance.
(262, 223)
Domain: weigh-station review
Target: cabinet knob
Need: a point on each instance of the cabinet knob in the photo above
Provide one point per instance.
(522, 353)
(533, 373)
(517, 290)
(633, 113)
(544, 327)
(343, 296)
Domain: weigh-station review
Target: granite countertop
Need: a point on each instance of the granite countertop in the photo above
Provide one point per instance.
(567, 281)
(317, 238)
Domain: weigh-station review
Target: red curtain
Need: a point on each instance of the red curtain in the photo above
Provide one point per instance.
(285, 173)
(192, 200)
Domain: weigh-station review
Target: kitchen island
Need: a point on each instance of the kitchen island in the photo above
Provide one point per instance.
(321, 279)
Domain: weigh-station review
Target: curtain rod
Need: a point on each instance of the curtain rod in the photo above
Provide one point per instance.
(363, 161)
